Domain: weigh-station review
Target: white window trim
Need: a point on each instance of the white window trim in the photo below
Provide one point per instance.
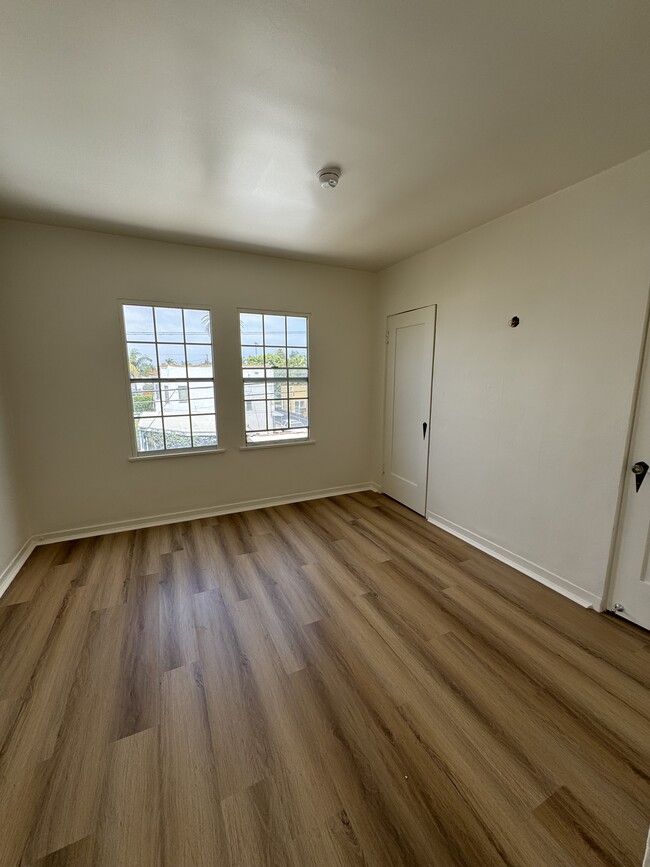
(176, 453)
(293, 441)
(166, 453)
(276, 445)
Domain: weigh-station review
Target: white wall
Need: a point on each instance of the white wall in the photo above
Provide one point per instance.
(65, 355)
(529, 424)
(13, 525)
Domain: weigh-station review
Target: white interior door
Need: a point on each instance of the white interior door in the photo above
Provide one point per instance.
(409, 373)
(630, 590)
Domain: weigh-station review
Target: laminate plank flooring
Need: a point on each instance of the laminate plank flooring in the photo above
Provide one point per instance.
(335, 683)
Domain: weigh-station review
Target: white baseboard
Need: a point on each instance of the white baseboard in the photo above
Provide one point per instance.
(194, 514)
(13, 568)
(550, 579)
(10, 572)
(555, 582)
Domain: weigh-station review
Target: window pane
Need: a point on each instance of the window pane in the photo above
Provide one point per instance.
(256, 415)
(275, 356)
(275, 436)
(197, 326)
(297, 358)
(274, 332)
(199, 361)
(277, 390)
(204, 431)
(252, 356)
(142, 360)
(175, 398)
(296, 331)
(177, 432)
(298, 413)
(280, 389)
(250, 327)
(253, 372)
(276, 371)
(172, 360)
(146, 398)
(169, 325)
(202, 397)
(149, 435)
(172, 379)
(138, 322)
(278, 414)
(254, 391)
(298, 388)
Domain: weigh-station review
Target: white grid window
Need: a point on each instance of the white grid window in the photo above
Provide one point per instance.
(275, 372)
(170, 362)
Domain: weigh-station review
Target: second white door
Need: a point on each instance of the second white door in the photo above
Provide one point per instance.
(409, 376)
(630, 591)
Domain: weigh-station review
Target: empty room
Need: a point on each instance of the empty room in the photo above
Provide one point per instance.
(324, 433)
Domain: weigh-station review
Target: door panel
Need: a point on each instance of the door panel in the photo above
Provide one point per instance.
(409, 372)
(630, 593)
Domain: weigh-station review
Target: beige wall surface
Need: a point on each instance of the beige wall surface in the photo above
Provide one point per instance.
(529, 425)
(65, 359)
(13, 526)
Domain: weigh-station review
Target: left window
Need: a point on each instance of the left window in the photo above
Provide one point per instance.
(171, 378)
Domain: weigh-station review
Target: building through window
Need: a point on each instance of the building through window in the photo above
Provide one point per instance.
(275, 374)
(170, 363)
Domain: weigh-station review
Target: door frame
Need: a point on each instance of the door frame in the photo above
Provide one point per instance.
(607, 601)
(384, 415)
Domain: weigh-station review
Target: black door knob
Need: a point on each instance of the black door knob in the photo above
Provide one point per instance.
(639, 469)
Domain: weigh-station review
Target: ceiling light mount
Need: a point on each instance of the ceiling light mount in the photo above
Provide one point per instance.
(329, 177)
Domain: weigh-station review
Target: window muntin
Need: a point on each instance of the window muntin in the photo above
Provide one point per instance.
(275, 373)
(170, 363)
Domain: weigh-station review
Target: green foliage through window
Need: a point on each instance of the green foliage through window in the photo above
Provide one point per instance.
(277, 359)
(140, 365)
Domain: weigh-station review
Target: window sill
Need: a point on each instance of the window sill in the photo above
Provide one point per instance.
(253, 447)
(176, 454)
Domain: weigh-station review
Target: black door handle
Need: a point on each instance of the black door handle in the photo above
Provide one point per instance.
(640, 469)
(424, 430)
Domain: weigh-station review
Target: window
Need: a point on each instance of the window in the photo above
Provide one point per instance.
(169, 354)
(275, 371)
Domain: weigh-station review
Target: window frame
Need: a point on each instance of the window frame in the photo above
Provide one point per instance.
(287, 441)
(166, 453)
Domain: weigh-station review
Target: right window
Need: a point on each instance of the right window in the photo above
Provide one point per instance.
(275, 373)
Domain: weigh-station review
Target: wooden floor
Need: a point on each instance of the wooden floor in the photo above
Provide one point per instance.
(325, 684)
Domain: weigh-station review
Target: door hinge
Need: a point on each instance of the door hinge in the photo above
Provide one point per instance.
(387, 336)
(383, 469)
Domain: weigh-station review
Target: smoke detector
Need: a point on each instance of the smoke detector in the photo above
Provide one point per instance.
(329, 177)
